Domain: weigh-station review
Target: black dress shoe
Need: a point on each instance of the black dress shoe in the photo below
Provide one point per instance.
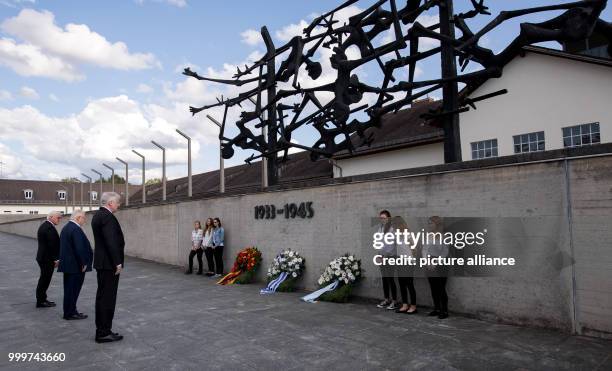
(443, 315)
(188, 272)
(45, 304)
(75, 317)
(434, 313)
(113, 336)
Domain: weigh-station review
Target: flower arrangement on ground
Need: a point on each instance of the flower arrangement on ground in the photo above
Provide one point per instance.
(292, 264)
(345, 269)
(244, 268)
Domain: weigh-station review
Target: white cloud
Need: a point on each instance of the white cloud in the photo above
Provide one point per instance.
(5, 95)
(144, 89)
(73, 44)
(177, 3)
(29, 60)
(288, 32)
(16, 3)
(53, 97)
(105, 128)
(251, 37)
(28, 92)
(11, 162)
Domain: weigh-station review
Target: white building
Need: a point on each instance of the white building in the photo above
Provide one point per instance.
(555, 99)
(23, 197)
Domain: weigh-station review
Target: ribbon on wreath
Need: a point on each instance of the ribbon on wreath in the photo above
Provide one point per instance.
(273, 285)
(312, 297)
(229, 278)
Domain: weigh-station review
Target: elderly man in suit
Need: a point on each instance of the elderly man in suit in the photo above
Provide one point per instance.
(47, 256)
(76, 258)
(108, 262)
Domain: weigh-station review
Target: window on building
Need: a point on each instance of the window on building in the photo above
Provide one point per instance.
(531, 142)
(7, 211)
(28, 194)
(33, 212)
(484, 149)
(19, 211)
(581, 135)
(61, 195)
(94, 195)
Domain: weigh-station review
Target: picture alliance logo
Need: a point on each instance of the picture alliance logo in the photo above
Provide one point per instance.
(459, 240)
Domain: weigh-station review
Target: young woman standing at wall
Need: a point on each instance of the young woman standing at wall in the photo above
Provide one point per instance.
(196, 247)
(218, 237)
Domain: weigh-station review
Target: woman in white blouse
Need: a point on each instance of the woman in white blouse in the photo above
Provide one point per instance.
(197, 235)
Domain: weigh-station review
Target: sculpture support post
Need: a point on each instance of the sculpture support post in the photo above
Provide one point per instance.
(271, 92)
(221, 164)
(450, 94)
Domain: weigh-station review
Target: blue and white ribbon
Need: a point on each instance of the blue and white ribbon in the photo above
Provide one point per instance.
(273, 285)
(312, 297)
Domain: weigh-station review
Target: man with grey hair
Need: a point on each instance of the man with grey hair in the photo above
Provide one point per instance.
(47, 256)
(108, 262)
(76, 257)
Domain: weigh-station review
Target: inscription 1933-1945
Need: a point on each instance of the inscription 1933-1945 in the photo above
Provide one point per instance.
(303, 210)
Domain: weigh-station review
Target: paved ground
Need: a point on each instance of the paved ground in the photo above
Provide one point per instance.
(177, 322)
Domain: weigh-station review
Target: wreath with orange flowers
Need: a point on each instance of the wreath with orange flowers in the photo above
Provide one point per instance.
(247, 261)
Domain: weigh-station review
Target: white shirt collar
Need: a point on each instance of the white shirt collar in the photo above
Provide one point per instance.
(76, 223)
(108, 209)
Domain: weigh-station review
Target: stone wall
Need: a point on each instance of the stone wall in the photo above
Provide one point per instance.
(566, 201)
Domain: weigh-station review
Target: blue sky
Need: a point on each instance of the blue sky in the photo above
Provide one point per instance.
(105, 76)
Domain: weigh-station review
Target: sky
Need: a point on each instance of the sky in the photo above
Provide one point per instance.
(83, 82)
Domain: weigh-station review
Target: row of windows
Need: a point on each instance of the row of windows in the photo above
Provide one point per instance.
(28, 194)
(573, 136)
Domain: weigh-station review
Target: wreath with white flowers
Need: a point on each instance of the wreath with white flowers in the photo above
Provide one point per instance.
(345, 269)
(288, 261)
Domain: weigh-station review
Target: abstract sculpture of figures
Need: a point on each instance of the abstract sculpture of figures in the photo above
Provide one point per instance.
(335, 119)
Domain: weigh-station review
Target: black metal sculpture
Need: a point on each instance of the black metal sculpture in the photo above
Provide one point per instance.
(335, 120)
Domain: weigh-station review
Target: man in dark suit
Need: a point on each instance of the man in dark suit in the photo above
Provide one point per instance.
(108, 261)
(47, 256)
(76, 257)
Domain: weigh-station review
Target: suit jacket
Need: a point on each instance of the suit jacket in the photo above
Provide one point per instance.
(108, 239)
(75, 250)
(48, 243)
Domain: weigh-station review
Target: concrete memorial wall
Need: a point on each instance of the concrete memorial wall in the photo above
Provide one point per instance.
(568, 202)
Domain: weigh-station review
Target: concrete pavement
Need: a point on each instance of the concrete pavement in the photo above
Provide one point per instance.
(176, 322)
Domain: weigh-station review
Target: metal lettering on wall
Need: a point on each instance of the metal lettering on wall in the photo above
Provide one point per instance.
(289, 210)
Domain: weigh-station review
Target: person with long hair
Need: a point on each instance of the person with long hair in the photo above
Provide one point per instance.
(387, 271)
(196, 247)
(218, 238)
(405, 276)
(436, 274)
(207, 245)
